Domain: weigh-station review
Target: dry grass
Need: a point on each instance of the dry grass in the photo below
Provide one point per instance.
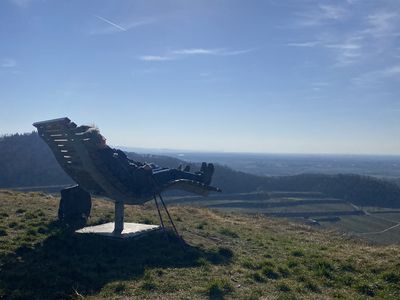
(225, 256)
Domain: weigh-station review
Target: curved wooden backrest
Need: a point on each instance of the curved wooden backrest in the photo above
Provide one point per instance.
(71, 146)
(75, 150)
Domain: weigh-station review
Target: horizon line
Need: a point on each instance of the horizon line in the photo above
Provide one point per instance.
(188, 151)
(182, 151)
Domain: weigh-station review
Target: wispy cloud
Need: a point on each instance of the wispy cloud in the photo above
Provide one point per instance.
(8, 63)
(383, 23)
(237, 52)
(304, 44)
(375, 77)
(393, 71)
(179, 53)
(321, 14)
(321, 83)
(196, 51)
(22, 3)
(319, 86)
(369, 35)
(113, 27)
(332, 12)
(346, 51)
(202, 51)
(380, 29)
(119, 27)
(155, 58)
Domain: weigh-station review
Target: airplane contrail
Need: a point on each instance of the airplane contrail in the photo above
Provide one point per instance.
(110, 23)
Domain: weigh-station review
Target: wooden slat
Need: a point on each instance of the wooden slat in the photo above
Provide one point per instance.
(72, 125)
(59, 120)
(54, 135)
(53, 126)
(48, 131)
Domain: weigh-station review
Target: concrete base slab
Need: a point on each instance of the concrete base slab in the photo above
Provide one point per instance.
(130, 230)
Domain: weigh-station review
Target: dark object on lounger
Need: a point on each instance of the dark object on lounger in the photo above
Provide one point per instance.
(75, 206)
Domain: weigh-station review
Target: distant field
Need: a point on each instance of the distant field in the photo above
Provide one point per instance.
(370, 228)
(274, 203)
(292, 164)
(376, 225)
(394, 216)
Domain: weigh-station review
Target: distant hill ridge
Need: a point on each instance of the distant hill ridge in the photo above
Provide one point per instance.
(25, 160)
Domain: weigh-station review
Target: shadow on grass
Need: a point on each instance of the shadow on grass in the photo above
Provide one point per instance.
(65, 263)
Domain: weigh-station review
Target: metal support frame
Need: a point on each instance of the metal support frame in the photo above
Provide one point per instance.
(159, 213)
(119, 216)
(169, 216)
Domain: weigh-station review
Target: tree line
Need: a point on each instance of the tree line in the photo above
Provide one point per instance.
(25, 160)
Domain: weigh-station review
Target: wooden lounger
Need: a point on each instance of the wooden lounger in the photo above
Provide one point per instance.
(74, 148)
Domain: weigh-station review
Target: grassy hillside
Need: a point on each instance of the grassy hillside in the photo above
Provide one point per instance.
(224, 256)
(377, 225)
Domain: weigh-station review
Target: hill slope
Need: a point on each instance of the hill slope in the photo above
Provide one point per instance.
(25, 160)
(224, 255)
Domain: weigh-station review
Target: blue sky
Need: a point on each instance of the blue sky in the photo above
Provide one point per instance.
(224, 75)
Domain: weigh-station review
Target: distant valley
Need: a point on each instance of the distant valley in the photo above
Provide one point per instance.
(324, 191)
(294, 164)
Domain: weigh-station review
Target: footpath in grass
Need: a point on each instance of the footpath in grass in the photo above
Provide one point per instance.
(229, 256)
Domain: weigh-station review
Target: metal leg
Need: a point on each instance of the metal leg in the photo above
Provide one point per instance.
(169, 216)
(119, 217)
(159, 213)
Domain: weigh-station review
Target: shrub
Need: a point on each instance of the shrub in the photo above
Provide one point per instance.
(225, 252)
(201, 261)
(148, 282)
(31, 231)
(283, 287)
(249, 264)
(12, 224)
(367, 289)
(284, 271)
(218, 288)
(228, 232)
(148, 286)
(297, 253)
(254, 294)
(29, 216)
(42, 230)
(270, 273)
(348, 267)
(201, 225)
(118, 287)
(256, 276)
(324, 268)
(292, 264)
(311, 286)
(391, 277)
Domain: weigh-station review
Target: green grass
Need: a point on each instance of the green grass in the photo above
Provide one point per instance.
(225, 255)
(217, 288)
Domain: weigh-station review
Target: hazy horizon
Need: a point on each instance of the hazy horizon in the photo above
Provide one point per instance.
(299, 77)
(163, 150)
